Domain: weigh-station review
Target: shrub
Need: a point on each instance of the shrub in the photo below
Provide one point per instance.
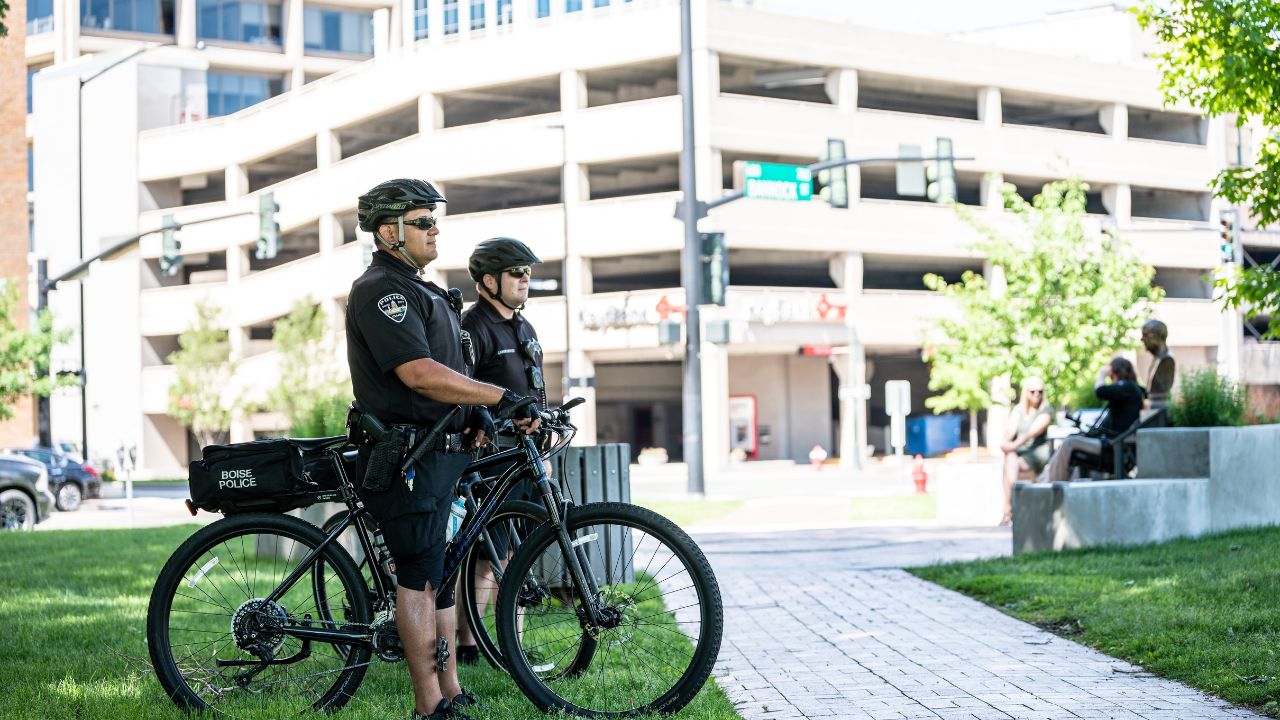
(325, 418)
(1084, 397)
(1206, 399)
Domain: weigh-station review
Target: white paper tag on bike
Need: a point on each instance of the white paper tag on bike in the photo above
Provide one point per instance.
(590, 537)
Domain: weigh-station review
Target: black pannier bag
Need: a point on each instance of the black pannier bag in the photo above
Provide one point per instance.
(263, 475)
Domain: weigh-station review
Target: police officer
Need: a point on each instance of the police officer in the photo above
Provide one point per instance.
(407, 356)
(507, 354)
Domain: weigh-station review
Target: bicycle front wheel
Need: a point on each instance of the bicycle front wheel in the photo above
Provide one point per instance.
(215, 639)
(659, 615)
(481, 575)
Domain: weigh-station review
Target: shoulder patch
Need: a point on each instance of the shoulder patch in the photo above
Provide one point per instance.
(394, 306)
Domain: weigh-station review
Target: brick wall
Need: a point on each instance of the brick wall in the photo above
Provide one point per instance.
(13, 191)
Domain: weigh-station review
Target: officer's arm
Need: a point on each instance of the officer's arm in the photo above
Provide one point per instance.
(437, 382)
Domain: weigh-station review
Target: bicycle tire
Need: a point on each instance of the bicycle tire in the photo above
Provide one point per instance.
(668, 616)
(481, 615)
(210, 593)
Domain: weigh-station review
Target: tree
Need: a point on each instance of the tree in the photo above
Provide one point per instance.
(4, 13)
(1222, 56)
(200, 397)
(313, 394)
(1069, 302)
(24, 354)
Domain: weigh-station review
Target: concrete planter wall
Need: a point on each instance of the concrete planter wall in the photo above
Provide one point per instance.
(1191, 481)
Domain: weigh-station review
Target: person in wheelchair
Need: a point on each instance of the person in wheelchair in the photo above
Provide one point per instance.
(1117, 383)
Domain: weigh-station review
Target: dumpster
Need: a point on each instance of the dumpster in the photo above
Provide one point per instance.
(930, 435)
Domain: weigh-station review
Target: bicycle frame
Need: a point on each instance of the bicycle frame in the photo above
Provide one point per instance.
(455, 550)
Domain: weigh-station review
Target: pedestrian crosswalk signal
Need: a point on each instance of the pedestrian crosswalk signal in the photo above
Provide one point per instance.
(170, 247)
(942, 175)
(268, 228)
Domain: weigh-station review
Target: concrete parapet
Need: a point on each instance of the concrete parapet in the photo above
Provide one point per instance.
(1173, 453)
(1115, 512)
(1244, 476)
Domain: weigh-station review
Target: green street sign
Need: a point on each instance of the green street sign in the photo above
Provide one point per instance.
(775, 181)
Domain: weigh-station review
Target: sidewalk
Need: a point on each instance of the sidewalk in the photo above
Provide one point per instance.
(824, 624)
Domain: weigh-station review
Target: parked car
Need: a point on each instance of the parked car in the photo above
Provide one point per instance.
(24, 493)
(70, 479)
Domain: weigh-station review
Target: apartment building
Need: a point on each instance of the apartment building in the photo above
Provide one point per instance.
(559, 123)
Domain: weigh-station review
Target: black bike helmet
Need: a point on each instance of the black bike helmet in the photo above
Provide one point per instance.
(494, 255)
(394, 198)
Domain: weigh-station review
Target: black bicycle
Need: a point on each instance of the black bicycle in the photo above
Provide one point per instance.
(605, 610)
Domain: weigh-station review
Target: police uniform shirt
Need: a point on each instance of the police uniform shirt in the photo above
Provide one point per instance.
(394, 317)
(497, 341)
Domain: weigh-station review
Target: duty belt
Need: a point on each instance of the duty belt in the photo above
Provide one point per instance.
(446, 442)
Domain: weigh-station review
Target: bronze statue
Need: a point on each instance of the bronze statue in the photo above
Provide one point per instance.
(1160, 377)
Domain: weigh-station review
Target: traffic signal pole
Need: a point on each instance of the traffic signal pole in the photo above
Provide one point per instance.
(690, 266)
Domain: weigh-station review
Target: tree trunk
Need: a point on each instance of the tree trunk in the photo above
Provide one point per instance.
(973, 431)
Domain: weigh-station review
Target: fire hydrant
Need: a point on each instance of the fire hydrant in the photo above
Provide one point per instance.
(919, 475)
(817, 456)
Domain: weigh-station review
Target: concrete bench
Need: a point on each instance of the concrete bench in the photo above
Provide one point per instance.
(1113, 512)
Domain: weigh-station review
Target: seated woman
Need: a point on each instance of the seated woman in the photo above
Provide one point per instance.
(1026, 445)
(1117, 383)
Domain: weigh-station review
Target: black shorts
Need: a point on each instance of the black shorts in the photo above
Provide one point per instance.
(416, 542)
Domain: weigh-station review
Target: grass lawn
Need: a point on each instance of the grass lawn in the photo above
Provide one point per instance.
(1204, 612)
(893, 507)
(688, 512)
(75, 603)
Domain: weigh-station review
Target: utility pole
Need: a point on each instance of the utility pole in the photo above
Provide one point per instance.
(690, 265)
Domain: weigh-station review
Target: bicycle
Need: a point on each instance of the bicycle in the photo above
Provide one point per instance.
(231, 621)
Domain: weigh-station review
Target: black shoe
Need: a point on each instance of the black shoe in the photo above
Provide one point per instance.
(467, 654)
(444, 711)
(464, 699)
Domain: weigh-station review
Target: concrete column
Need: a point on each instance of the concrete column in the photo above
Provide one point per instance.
(185, 20)
(435, 20)
(1216, 144)
(66, 27)
(990, 111)
(328, 149)
(851, 368)
(464, 19)
(990, 191)
(715, 404)
(1115, 121)
(557, 9)
(294, 42)
(430, 114)
(331, 234)
(236, 182)
(1117, 199)
(842, 88)
(490, 15)
(381, 31)
(706, 73)
(581, 370)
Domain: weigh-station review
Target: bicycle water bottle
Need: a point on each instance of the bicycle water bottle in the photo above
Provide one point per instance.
(457, 513)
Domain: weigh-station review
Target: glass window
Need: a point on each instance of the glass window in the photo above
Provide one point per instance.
(419, 19)
(230, 92)
(477, 14)
(344, 31)
(39, 16)
(572, 5)
(450, 17)
(250, 22)
(504, 11)
(544, 8)
(31, 73)
(601, 3)
(31, 169)
(145, 16)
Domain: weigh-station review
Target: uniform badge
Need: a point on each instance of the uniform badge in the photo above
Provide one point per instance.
(394, 306)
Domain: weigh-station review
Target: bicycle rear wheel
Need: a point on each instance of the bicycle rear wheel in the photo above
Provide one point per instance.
(216, 642)
(481, 577)
(659, 601)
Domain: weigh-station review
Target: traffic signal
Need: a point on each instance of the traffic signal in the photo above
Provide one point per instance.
(1229, 236)
(942, 175)
(835, 181)
(268, 228)
(715, 268)
(170, 247)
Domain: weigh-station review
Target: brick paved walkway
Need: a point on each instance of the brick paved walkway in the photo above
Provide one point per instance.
(824, 625)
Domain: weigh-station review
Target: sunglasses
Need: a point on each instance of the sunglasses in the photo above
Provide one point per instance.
(1035, 392)
(519, 272)
(423, 223)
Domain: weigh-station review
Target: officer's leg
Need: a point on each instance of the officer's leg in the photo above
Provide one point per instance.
(416, 620)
